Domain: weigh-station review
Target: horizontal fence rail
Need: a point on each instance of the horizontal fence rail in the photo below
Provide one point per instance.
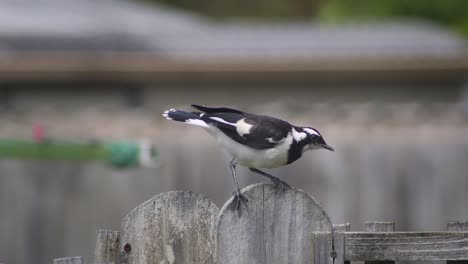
(276, 226)
(405, 246)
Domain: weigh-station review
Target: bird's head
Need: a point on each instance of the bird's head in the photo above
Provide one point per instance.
(314, 140)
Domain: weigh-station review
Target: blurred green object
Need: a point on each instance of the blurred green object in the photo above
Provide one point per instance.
(453, 13)
(117, 154)
(123, 154)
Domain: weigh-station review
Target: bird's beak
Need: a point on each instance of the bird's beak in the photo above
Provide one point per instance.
(325, 146)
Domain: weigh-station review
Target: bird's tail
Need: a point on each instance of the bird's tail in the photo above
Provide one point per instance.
(192, 118)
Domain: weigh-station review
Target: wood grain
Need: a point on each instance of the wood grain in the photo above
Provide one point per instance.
(173, 227)
(107, 247)
(406, 246)
(378, 226)
(277, 227)
(457, 226)
(338, 241)
(71, 260)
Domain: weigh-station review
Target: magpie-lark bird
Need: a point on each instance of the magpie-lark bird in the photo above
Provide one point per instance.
(253, 141)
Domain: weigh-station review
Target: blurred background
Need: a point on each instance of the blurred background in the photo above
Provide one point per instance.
(83, 84)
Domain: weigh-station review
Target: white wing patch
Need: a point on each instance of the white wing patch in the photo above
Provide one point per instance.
(197, 122)
(222, 121)
(298, 136)
(311, 131)
(243, 127)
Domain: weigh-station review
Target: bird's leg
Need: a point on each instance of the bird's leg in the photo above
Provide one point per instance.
(276, 181)
(238, 198)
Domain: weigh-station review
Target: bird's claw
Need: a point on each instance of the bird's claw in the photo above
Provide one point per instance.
(238, 200)
(280, 184)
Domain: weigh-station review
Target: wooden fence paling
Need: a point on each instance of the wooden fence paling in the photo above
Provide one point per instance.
(278, 227)
(173, 227)
(339, 242)
(107, 247)
(70, 260)
(321, 250)
(375, 226)
(457, 226)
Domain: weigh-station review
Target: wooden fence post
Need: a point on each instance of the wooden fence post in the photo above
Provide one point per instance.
(339, 242)
(173, 227)
(71, 260)
(380, 227)
(107, 247)
(278, 226)
(457, 226)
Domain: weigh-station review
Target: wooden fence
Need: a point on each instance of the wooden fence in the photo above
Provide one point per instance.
(276, 227)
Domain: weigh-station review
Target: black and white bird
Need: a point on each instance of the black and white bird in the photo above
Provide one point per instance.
(253, 141)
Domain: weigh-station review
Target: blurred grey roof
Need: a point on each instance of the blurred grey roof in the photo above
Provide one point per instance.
(100, 25)
(113, 25)
(313, 40)
(123, 38)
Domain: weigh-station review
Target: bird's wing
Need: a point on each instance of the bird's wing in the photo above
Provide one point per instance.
(217, 109)
(258, 132)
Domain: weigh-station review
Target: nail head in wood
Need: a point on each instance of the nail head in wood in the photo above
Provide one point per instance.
(173, 227)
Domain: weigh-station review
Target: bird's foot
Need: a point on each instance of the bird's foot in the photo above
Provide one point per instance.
(280, 184)
(237, 202)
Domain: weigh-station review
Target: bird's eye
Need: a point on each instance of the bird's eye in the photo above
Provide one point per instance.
(315, 139)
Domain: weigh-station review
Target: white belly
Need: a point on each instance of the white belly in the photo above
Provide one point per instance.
(253, 158)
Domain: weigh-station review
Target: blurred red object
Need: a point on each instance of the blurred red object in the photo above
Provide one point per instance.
(38, 133)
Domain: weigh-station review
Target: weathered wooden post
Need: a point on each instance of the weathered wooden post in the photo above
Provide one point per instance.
(457, 226)
(173, 227)
(380, 227)
(279, 226)
(339, 242)
(107, 247)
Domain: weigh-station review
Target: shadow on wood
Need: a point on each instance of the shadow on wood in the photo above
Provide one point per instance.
(278, 227)
(173, 227)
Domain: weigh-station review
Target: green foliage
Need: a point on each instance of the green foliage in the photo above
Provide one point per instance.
(453, 13)
(449, 12)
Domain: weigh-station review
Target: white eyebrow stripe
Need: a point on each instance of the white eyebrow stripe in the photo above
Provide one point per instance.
(298, 136)
(311, 131)
(222, 121)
